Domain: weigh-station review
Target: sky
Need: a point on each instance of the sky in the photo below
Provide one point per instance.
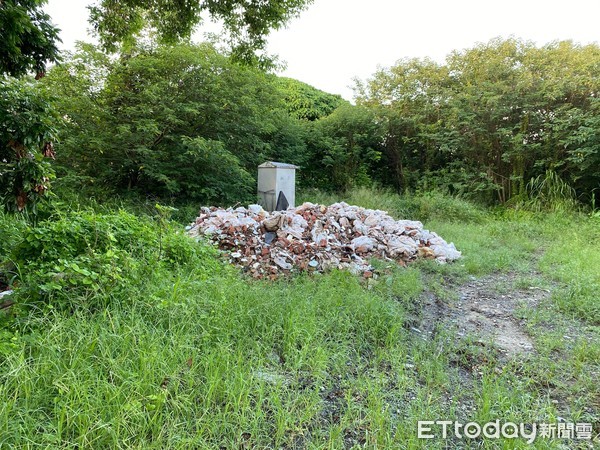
(335, 41)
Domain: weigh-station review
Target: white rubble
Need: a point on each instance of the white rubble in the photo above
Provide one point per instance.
(317, 237)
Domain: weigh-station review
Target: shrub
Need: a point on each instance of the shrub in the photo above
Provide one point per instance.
(548, 192)
(11, 229)
(84, 259)
(27, 131)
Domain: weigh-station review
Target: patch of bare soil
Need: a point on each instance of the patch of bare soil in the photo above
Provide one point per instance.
(485, 311)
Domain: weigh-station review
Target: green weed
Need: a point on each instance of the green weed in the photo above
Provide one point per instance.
(182, 352)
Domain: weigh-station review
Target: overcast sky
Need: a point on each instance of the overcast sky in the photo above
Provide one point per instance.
(335, 41)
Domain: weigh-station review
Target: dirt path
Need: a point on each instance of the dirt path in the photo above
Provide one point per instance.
(485, 311)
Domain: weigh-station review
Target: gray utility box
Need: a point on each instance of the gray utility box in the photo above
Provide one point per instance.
(277, 185)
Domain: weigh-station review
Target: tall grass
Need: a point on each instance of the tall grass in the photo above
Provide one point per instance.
(11, 232)
(189, 354)
(572, 257)
(213, 363)
(423, 207)
(549, 192)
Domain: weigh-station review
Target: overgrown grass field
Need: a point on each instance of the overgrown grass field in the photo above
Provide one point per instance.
(127, 334)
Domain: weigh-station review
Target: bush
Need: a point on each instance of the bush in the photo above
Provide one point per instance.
(81, 232)
(11, 229)
(549, 192)
(84, 259)
(27, 131)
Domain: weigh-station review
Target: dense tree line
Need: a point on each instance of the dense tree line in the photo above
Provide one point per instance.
(28, 42)
(490, 119)
(189, 123)
(179, 121)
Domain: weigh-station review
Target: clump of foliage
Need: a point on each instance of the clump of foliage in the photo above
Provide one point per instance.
(548, 192)
(179, 121)
(305, 102)
(11, 231)
(83, 259)
(27, 120)
(27, 131)
(28, 40)
(247, 23)
(343, 148)
(490, 119)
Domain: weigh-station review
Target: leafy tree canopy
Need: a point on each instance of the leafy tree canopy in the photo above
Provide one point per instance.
(491, 118)
(27, 130)
(178, 121)
(247, 21)
(343, 148)
(27, 38)
(306, 102)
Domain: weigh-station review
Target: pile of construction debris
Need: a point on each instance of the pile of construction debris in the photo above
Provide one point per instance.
(316, 238)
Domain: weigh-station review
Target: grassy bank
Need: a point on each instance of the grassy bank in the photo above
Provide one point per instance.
(180, 351)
